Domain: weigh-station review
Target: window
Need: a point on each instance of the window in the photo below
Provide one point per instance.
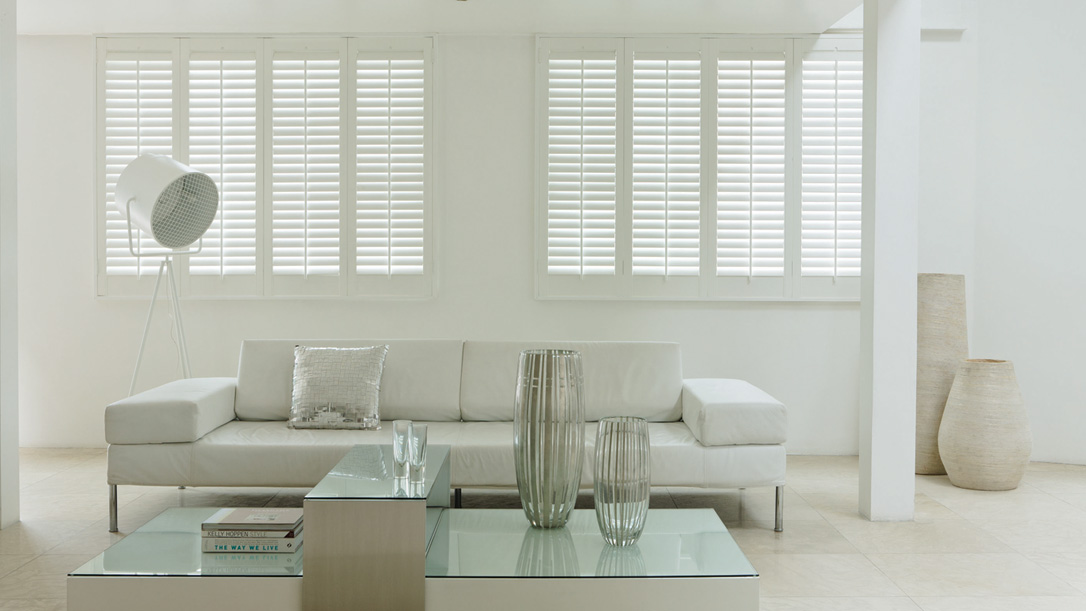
(717, 168)
(320, 149)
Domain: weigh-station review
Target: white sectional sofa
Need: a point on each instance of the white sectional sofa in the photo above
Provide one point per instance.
(707, 433)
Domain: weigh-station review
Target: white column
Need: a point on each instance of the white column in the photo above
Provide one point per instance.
(888, 306)
(9, 346)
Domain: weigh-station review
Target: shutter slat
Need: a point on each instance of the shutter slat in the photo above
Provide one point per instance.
(666, 164)
(831, 165)
(138, 120)
(581, 166)
(750, 166)
(223, 144)
(390, 165)
(305, 118)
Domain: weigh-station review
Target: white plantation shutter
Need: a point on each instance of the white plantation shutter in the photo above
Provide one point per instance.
(271, 122)
(751, 159)
(137, 118)
(666, 164)
(222, 142)
(305, 167)
(390, 158)
(832, 105)
(760, 203)
(582, 164)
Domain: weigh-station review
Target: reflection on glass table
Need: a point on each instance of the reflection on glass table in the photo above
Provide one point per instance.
(493, 543)
(169, 545)
(367, 472)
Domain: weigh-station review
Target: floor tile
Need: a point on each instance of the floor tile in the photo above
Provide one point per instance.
(1057, 480)
(799, 537)
(970, 575)
(1039, 536)
(978, 505)
(42, 577)
(1006, 603)
(1070, 567)
(821, 575)
(34, 604)
(34, 535)
(838, 507)
(942, 536)
(887, 603)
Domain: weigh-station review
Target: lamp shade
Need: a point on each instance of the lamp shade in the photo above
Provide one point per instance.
(167, 199)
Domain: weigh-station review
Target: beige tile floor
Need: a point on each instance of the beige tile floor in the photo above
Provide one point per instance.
(966, 551)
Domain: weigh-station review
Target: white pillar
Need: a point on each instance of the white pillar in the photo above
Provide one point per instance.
(888, 287)
(9, 346)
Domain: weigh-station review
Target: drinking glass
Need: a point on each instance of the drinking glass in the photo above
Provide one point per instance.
(401, 438)
(416, 453)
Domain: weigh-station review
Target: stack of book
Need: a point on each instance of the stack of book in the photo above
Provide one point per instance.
(253, 530)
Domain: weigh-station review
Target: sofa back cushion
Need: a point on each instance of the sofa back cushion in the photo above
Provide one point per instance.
(421, 379)
(621, 379)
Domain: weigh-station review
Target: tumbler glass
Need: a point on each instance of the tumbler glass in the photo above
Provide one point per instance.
(416, 453)
(401, 439)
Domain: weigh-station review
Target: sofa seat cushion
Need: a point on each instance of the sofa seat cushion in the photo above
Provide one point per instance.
(484, 455)
(268, 453)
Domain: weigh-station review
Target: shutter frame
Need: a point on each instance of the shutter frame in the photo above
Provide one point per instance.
(419, 283)
(235, 62)
(305, 236)
(764, 286)
(119, 273)
(831, 287)
(576, 286)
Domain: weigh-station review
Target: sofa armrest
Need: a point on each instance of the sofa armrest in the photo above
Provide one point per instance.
(723, 412)
(176, 412)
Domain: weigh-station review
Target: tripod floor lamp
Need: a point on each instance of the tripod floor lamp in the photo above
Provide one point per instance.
(175, 205)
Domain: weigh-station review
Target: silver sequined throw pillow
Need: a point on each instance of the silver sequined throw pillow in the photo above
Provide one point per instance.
(337, 388)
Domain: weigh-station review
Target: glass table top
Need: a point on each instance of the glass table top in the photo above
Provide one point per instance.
(169, 545)
(365, 472)
(495, 543)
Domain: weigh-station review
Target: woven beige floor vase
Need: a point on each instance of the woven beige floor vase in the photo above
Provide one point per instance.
(985, 439)
(941, 345)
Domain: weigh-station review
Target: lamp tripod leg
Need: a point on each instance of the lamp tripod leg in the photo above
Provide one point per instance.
(146, 328)
(182, 345)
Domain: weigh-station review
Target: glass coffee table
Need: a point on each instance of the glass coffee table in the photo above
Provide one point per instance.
(684, 555)
(455, 556)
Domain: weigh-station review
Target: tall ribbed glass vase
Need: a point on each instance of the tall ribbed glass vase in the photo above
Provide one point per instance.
(622, 478)
(548, 439)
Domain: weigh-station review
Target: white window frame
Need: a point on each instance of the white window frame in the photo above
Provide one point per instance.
(264, 284)
(707, 285)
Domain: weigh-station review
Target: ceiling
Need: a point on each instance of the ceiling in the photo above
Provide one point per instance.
(430, 16)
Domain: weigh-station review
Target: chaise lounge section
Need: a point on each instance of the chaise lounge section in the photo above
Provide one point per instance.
(704, 433)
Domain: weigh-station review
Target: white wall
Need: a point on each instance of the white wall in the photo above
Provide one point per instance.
(1030, 287)
(503, 17)
(77, 352)
(9, 320)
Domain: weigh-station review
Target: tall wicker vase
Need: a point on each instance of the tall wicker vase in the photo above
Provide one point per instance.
(941, 344)
(548, 434)
(985, 439)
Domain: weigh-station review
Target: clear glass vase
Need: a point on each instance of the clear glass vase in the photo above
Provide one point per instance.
(622, 478)
(548, 440)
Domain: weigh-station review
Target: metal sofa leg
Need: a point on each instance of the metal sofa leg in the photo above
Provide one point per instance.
(113, 508)
(779, 526)
(458, 498)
